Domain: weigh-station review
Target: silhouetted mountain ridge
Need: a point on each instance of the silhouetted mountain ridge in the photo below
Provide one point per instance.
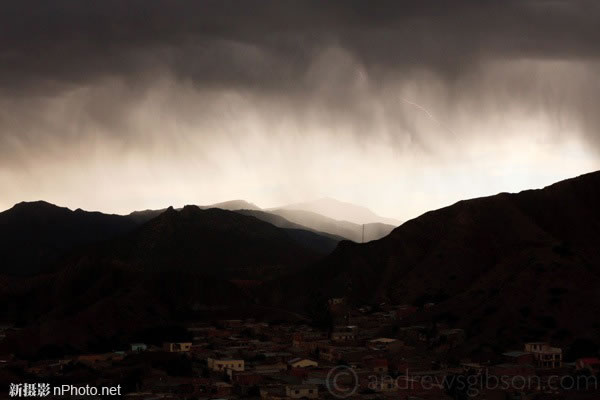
(298, 219)
(34, 235)
(192, 237)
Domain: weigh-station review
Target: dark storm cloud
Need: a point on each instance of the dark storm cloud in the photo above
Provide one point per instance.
(49, 44)
(282, 48)
(217, 87)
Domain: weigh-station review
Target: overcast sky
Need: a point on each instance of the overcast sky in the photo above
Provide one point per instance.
(398, 106)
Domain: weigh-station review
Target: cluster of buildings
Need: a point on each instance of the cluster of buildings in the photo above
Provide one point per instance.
(366, 355)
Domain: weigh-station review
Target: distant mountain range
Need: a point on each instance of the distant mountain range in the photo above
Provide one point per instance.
(324, 216)
(345, 229)
(341, 211)
(234, 205)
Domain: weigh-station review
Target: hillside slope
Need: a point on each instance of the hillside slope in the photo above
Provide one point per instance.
(512, 266)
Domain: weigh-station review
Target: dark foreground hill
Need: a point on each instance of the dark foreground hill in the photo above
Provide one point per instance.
(506, 268)
(35, 235)
(179, 265)
(215, 241)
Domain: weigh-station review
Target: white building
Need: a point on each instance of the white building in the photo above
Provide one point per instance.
(344, 333)
(225, 364)
(545, 355)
